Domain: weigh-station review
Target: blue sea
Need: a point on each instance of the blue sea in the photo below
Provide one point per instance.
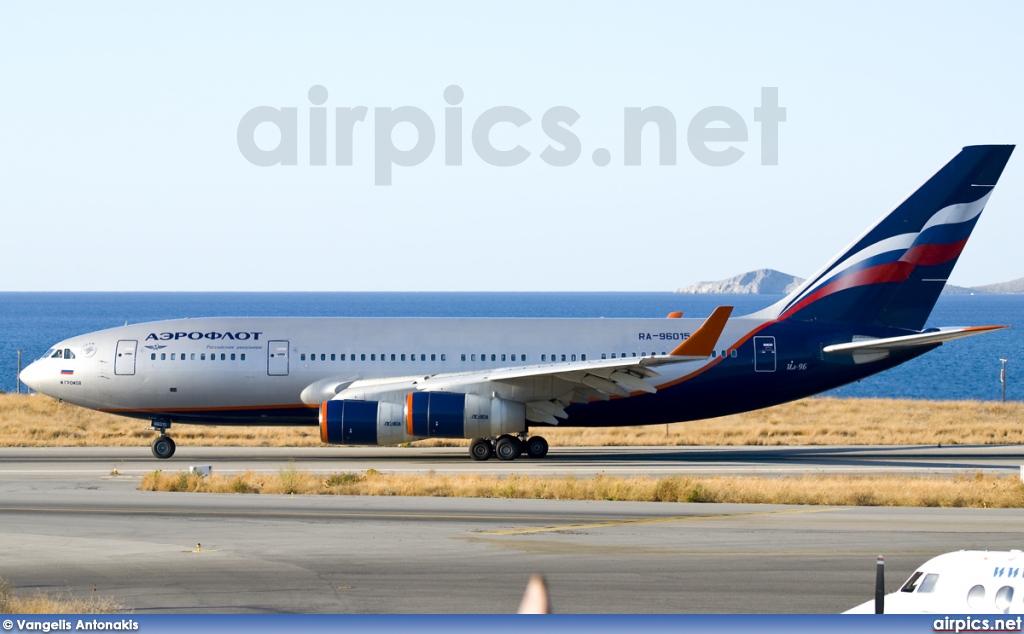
(964, 369)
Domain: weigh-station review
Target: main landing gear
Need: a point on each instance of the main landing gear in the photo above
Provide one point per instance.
(163, 445)
(508, 447)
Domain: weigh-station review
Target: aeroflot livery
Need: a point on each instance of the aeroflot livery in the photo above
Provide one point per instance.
(388, 381)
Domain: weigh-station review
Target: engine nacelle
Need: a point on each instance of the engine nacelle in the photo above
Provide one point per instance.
(445, 415)
(350, 422)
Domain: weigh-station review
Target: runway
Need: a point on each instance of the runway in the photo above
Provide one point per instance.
(585, 461)
(67, 524)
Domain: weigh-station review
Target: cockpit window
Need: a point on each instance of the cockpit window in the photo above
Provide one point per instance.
(46, 355)
(68, 354)
(928, 583)
(59, 354)
(911, 583)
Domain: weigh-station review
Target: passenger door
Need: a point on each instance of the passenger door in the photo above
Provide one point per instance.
(277, 358)
(764, 354)
(124, 361)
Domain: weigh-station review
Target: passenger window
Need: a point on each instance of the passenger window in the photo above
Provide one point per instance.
(543, 357)
(403, 357)
(202, 357)
(243, 356)
(172, 356)
(302, 357)
(604, 355)
(613, 355)
(232, 356)
(68, 354)
(373, 357)
(332, 356)
(223, 357)
(323, 356)
(975, 597)
(522, 357)
(1003, 597)
(433, 357)
(493, 358)
(152, 357)
(163, 356)
(342, 357)
(502, 357)
(714, 354)
(928, 584)
(472, 357)
(193, 356)
(443, 357)
(513, 357)
(583, 357)
(392, 357)
(463, 356)
(732, 353)
(563, 357)
(573, 357)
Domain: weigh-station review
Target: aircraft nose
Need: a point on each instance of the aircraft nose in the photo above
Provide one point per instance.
(31, 375)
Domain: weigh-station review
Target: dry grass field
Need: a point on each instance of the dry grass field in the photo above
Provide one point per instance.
(39, 421)
(60, 603)
(966, 490)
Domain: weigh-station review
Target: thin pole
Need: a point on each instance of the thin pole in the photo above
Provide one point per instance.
(19, 371)
(880, 586)
(1002, 378)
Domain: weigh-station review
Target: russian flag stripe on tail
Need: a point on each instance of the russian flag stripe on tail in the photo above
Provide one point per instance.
(893, 274)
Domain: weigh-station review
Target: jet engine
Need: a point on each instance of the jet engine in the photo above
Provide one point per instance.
(424, 415)
(445, 415)
(350, 422)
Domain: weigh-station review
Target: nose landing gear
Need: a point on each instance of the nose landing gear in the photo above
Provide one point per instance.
(163, 445)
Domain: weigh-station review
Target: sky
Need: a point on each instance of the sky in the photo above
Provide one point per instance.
(122, 169)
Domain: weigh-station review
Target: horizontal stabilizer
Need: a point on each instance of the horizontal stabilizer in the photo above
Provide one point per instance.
(866, 346)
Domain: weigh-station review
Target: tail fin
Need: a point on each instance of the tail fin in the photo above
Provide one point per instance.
(893, 274)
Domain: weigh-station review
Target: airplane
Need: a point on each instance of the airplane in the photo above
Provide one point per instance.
(386, 381)
(963, 582)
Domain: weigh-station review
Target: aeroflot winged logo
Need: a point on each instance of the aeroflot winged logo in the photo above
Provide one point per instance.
(195, 336)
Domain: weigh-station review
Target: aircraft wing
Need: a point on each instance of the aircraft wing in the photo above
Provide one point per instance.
(547, 389)
(887, 344)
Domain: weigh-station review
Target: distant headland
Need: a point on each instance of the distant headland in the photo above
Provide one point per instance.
(772, 282)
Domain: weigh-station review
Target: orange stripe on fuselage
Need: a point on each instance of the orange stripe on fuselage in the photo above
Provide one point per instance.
(238, 408)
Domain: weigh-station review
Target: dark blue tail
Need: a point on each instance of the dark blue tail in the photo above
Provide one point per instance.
(893, 274)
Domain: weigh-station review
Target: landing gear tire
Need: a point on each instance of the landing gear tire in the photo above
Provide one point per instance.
(163, 447)
(508, 448)
(536, 447)
(480, 449)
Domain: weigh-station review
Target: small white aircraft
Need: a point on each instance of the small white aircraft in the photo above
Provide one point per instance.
(962, 582)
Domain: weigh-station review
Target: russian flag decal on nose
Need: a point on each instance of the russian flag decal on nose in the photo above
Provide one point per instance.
(67, 371)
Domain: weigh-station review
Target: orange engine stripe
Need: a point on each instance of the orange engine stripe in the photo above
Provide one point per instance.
(323, 422)
(408, 413)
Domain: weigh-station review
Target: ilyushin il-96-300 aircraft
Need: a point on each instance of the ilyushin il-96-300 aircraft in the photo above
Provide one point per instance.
(387, 381)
